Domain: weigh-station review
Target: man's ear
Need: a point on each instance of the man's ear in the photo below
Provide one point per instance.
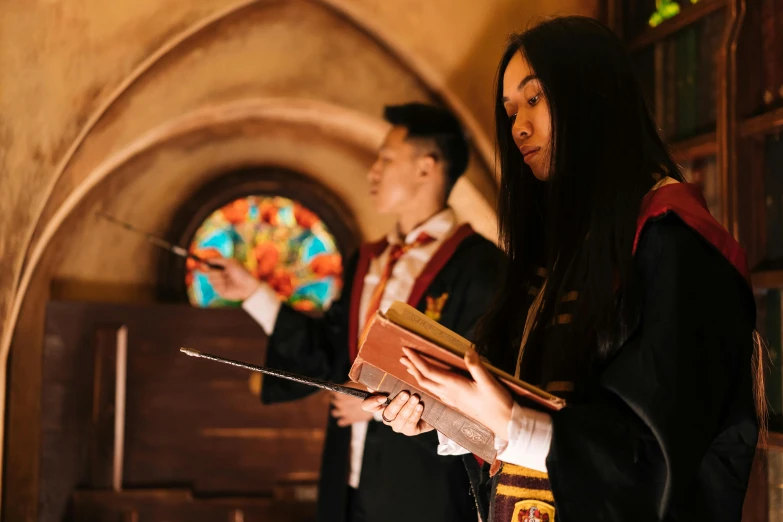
(426, 166)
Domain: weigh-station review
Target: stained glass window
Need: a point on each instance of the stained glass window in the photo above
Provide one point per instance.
(279, 241)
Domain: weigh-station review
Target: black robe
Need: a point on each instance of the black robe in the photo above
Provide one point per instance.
(402, 478)
(665, 430)
(674, 435)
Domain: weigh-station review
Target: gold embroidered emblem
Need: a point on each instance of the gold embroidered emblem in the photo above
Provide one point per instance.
(533, 511)
(435, 306)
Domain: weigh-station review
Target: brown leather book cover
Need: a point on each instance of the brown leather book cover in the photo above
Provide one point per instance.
(382, 341)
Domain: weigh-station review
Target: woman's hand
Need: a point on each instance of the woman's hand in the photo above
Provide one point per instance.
(403, 414)
(482, 398)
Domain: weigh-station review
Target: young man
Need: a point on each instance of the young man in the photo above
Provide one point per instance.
(370, 473)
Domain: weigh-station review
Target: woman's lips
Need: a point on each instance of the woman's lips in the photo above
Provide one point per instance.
(528, 151)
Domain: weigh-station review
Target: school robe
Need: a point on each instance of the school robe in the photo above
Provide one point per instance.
(666, 430)
(402, 478)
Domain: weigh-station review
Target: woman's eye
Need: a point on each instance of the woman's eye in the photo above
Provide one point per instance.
(534, 100)
(512, 119)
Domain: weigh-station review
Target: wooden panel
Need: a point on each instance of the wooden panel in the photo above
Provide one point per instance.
(223, 438)
(66, 419)
(104, 410)
(189, 423)
(180, 506)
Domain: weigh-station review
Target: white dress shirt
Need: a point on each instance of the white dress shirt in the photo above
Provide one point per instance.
(264, 305)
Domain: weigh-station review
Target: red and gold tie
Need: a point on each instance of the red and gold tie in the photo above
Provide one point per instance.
(396, 252)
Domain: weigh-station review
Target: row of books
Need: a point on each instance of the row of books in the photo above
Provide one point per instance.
(679, 77)
(679, 72)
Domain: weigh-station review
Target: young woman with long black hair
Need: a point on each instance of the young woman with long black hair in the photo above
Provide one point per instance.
(623, 295)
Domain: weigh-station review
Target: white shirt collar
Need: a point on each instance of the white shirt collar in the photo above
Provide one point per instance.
(438, 226)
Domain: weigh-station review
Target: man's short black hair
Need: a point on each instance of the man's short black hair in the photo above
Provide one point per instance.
(428, 123)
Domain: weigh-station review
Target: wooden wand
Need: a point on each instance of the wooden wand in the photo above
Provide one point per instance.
(324, 385)
(162, 243)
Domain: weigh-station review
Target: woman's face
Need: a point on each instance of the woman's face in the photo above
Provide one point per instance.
(528, 110)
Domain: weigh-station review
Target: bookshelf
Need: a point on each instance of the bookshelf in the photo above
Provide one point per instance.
(723, 59)
(768, 122)
(687, 65)
(715, 58)
(688, 15)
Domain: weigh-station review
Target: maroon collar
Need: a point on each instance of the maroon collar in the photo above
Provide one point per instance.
(687, 202)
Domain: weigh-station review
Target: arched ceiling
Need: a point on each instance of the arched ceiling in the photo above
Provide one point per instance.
(130, 105)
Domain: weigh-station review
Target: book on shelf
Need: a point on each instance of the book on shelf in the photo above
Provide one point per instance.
(773, 195)
(707, 75)
(659, 63)
(696, 49)
(669, 74)
(685, 70)
(378, 367)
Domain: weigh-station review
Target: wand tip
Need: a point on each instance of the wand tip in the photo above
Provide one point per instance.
(191, 352)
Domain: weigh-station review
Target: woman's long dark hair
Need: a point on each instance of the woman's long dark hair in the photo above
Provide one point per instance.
(606, 154)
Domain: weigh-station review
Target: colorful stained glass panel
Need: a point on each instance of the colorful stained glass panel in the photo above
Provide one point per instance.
(279, 241)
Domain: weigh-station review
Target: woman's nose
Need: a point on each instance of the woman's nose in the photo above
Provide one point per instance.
(521, 130)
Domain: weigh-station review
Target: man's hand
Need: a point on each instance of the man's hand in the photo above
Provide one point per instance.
(234, 282)
(348, 410)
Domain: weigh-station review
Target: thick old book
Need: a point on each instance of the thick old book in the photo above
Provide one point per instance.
(378, 367)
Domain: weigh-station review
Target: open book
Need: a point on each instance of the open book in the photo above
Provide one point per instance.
(378, 367)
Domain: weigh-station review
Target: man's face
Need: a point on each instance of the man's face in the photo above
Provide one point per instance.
(394, 176)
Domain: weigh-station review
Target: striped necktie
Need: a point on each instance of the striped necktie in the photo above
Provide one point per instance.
(396, 252)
